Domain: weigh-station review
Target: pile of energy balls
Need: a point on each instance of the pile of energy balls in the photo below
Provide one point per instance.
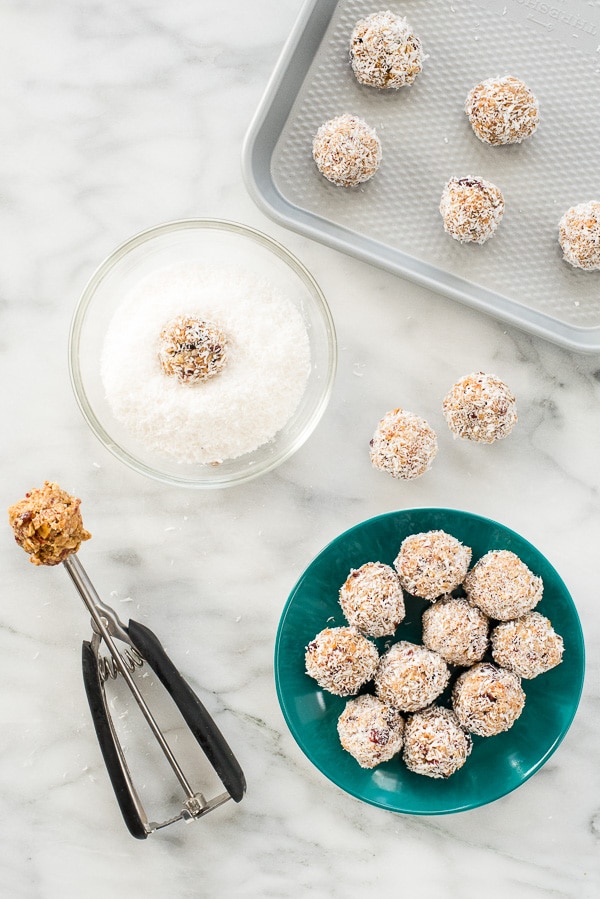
(385, 54)
(493, 619)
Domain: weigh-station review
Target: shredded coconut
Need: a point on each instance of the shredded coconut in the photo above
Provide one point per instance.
(254, 396)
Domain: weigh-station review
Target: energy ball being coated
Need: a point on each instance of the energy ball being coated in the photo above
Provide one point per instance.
(372, 600)
(456, 630)
(527, 646)
(432, 564)
(384, 51)
(480, 408)
(371, 731)
(579, 236)
(403, 445)
(502, 586)
(347, 151)
(471, 209)
(192, 350)
(47, 524)
(410, 677)
(502, 110)
(487, 700)
(434, 743)
(341, 660)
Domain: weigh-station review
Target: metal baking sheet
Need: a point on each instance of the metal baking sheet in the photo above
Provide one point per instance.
(393, 221)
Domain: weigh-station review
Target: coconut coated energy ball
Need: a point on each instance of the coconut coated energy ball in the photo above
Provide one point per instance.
(372, 600)
(480, 408)
(487, 700)
(432, 564)
(47, 524)
(456, 630)
(502, 110)
(347, 151)
(384, 51)
(410, 677)
(403, 445)
(502, 586)
(192, 350)
(471, 209)
(371, 731)
(579, 236)
(527, 646)
(341, 660)
(435, 744)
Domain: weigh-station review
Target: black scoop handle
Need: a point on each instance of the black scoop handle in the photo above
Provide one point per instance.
(200, 723)
(106, 739)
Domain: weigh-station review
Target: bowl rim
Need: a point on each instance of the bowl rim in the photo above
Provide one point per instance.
(85, 299)
(296, 732)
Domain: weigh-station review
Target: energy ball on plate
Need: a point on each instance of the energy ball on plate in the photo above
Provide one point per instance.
(480, 408)
(372, 600)
(502, 110)
(527, 646)
(47, 524)
(410, 677)
(341, 660)
(434, 743)
(487, 700)
(471, 209)
(192, 350)
(502, 586)
(403, 445)
(432, 564)
(371, 731)
(384, 51)
(347, 151)
(456, 630)
(579, 235)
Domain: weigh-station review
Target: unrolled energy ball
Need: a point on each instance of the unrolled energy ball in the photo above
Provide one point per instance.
(384, 51)
(341, 660)
(403, 445)
(371, 731)
(192, 350)
(502, 586)
(431, 564)
(471, 209)
(502, 110)
(527, 646)
(487, 699)
(435, 744)
(410, 677)
(372, 600)
(47, 524)
(480, 408)
(347, 151)
(579, 235)
(456, 630)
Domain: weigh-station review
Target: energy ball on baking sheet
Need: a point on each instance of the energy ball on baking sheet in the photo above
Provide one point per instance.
(502, 110)
(456, 630)
(192, 350)
(371, 731)
(480, 408)
(347, 151)
(384, 51)
(47, 524)
(372, 600)
(410, 677)
(527, 646)
(403, 445)
(471, 209)
(579, 236)
(502, 586)
(487, 700)
(432, 563)
(434, 743)
(341, 660)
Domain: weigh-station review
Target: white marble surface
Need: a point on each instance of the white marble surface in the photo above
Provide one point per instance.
(116, 117)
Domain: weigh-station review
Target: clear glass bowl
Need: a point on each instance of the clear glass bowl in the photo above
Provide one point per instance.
(211, 242)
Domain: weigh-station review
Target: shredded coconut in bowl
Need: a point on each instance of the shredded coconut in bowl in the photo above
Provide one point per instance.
(246, 404)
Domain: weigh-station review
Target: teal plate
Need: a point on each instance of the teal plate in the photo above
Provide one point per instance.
(497, 765)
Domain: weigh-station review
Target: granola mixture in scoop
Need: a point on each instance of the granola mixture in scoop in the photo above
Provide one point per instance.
(502, 110)
(384, 51)
(371, 731)
(47, 524)
(435, 744)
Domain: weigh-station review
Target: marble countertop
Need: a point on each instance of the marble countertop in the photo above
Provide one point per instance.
(116, 117)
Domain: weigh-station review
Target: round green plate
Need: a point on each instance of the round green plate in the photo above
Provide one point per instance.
(497, 764)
